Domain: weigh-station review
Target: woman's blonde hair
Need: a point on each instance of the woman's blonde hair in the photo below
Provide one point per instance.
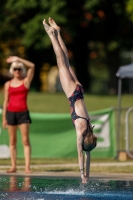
(17, 64)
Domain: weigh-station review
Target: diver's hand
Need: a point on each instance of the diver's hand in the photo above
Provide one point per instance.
(84, 179)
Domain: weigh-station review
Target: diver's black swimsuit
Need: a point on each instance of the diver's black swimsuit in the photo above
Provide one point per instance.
(77, 94)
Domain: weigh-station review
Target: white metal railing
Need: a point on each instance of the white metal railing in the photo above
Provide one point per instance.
(127, 132)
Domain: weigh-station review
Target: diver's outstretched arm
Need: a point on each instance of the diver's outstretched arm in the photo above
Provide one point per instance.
(87, 164)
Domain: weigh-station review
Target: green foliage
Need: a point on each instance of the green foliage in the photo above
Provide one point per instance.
(34, 34)
(34, 28)
(91, 4)
(113, 45)
(19, 6)
(100, 21)
(129, 9)
(118, 8)
(27, 16)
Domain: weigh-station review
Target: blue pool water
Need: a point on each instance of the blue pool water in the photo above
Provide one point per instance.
(44, 188)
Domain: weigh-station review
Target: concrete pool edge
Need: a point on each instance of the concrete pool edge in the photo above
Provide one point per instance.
(66, 174)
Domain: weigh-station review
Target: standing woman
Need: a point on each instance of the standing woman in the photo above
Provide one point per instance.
(15, 110)
(73, 89)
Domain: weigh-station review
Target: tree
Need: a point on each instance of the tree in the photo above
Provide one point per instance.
(99, 21)
(22, 25)
(111, 24)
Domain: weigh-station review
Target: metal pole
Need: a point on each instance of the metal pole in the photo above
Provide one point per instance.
(119, 115)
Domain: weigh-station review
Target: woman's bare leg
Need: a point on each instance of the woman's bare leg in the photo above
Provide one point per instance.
(57, 28)
(66, 79)
(24, 128)
(13, 152)
(27, 183)
(13, 184)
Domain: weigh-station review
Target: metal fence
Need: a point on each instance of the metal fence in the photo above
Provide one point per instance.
(124, 129)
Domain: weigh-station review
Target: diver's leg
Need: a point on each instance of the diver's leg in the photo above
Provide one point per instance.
(66, 79)
(57, 28)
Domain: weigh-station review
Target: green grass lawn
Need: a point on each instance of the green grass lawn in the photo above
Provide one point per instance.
(21, 161)
(58, 103)
(34, 162)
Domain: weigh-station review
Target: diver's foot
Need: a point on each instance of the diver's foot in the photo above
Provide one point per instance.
(53, 24)
(11, 170)
(50, 30)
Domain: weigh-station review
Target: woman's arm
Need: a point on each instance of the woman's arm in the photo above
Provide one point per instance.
(4, 121)
(31, 67)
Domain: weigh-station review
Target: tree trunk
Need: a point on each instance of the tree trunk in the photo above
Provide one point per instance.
(80, 51)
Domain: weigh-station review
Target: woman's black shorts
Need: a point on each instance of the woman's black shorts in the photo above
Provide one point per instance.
(16, 118)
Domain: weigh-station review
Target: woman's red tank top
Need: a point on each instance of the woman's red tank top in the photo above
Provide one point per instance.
(17, 98)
